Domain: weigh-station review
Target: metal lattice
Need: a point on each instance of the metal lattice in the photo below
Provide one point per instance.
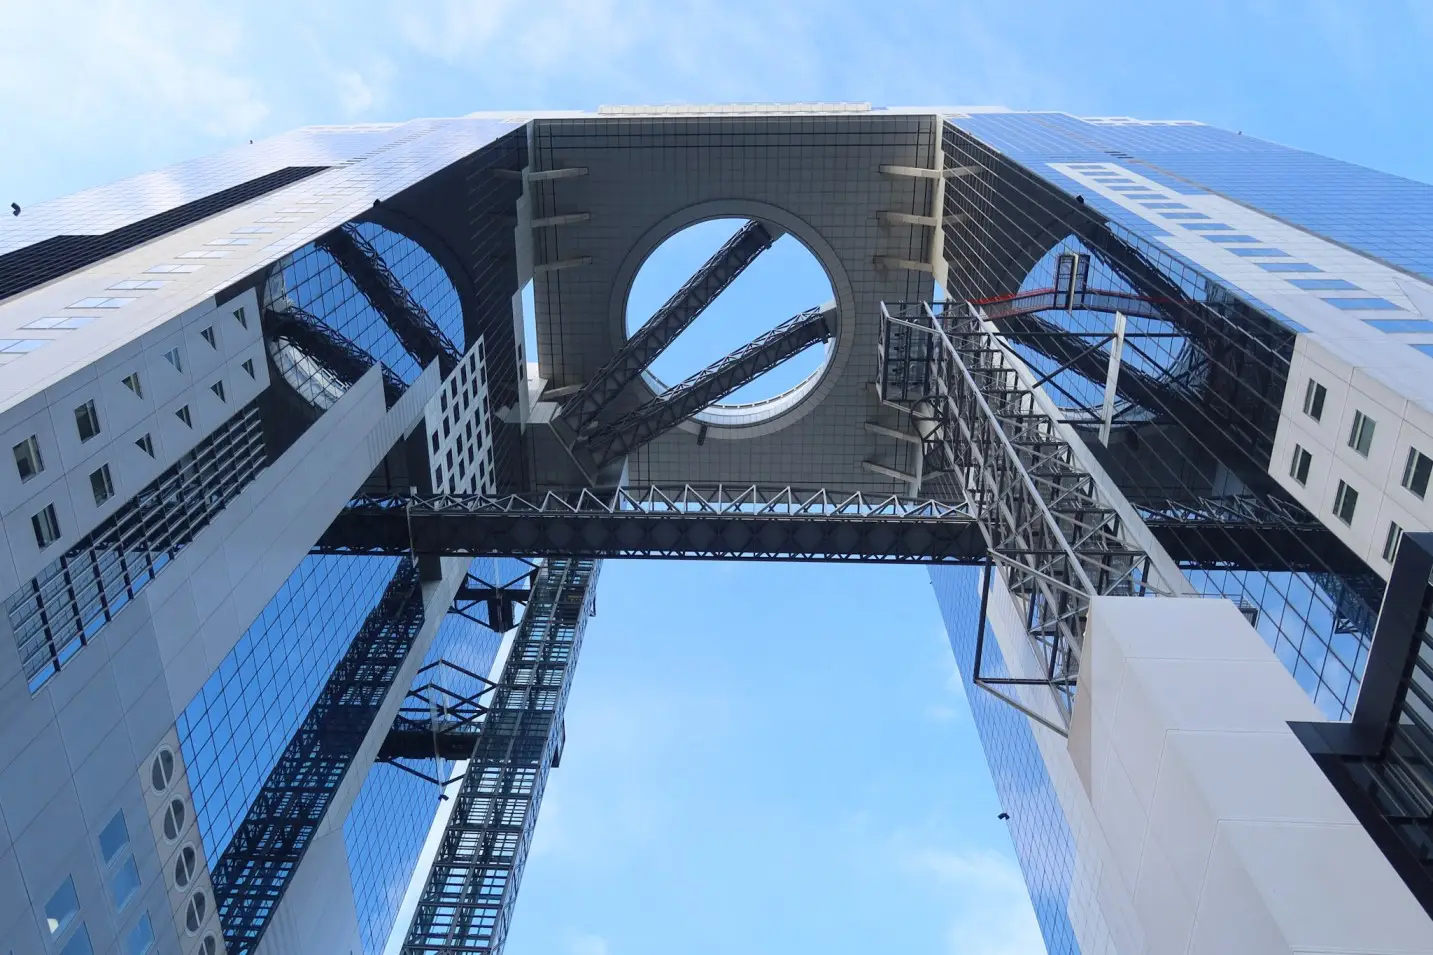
(668, 322)
(709, 385)
(467, 902)
(420, 335)
(1055, 540)
(265, 852)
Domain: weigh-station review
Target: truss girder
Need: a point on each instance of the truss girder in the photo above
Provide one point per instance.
(251, 876)
(449, 739)
(467, 901)
(687, 522)
(668, 322)
(337, 355)
(415, 329)
(683, 401)
(1246, 532)
(1055, 540)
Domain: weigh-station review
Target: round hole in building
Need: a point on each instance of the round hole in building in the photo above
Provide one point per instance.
(174, 816)
(161, 770)
(184, 865)
(194, 912)
(209, 946)
(779, 284)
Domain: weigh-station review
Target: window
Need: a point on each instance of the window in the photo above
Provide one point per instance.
(60, 321)
(47, 526)
(146, 444)
(102, 485)
(184, 866)
(132, 383)
(174, 816)
(79, 944)
(208, 335)
(140, 939)
(1391, 542)
(1344, 502)
(194, 913)
(1314, 397)
(210, 946)
(161, 771)
(1299, 468)
(248, 366)
(218, 389)
(183, 415)
(124, 883)
(87, 420)
(113, 838)
(172, 356)
(1363, 304)
(1417, 471)
(27, 457)
(242, 319)
(1360, 436)
(19, 346)
(62, 907)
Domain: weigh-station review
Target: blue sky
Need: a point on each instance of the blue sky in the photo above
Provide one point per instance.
(760, 759)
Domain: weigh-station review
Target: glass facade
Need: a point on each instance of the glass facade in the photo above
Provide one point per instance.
(389, 821)
(1038, 828)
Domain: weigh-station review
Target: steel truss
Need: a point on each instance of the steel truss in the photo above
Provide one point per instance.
(418, 333)
(336, 354)
(667, 323)
(467, 902)
(1048, 530)
(696, 522)
(1245, 532)
(436, 721)
(711, 384)
(265, 852)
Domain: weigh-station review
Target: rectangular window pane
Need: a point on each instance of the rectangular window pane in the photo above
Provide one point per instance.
(140, 938)
(62, 907)
(1390, 543)
(102, 485)
(113, 837)
(124, 883)
(79, 943)
(1360, 436)
(87, 420)
(46, 525)
(27, 458)
(1314, 400)
(1417, 472)
(1344, 502)
(1299, 467)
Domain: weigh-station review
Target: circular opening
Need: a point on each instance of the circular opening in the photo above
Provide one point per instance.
(161, 771)
(174, 819)
(209, 946)
(782, 282)
(194, 912)
(184, 866)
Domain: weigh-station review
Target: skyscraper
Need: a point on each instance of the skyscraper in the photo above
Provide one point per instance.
(289, 455)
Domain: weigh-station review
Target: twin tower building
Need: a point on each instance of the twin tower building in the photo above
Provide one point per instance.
(312, 450)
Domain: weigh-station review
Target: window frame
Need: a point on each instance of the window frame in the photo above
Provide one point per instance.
(1360, 433)
(1300, 465)
(1345, 498)
(1314, 397)
(31, 448)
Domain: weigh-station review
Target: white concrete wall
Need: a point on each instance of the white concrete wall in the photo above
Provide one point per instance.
(1228, 836)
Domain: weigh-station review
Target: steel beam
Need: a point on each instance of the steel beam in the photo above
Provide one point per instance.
(337, 355)
(668, 322)
(710, 385)
(417, 332)
(251, 876)
(467, 901)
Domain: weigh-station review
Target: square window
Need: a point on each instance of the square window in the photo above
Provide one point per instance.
(113, 837)
(1314, 396)
(1363, 304)
(140, 939)
(87, 420)
(1288, 267)
(183, 415)
(131, 382)
(27, 458)
(1360, 436)
(172, 356)
(124, 883)
(79, 943)
(1345, 499)
(146, 444)
(1417, 471)
(1391, 542)
(208, 335)
(47, 526)
(1299, 468)
(62, 907)
(1342, 285)
(102, 485)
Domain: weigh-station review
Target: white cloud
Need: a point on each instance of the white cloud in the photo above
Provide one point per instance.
(581, 943)
(990, 908)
